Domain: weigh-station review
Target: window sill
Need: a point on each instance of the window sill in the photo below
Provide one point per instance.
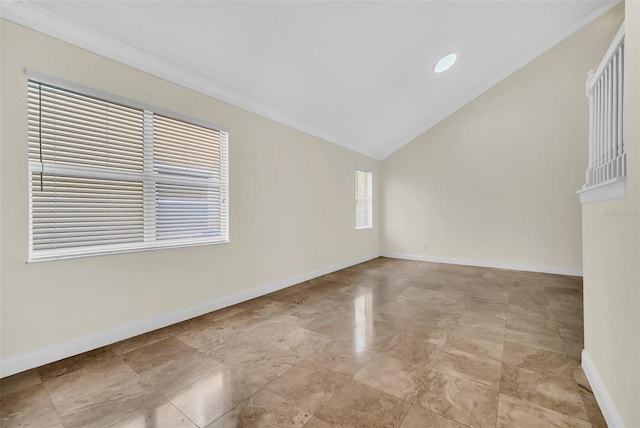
(118, 249)
(607, 191)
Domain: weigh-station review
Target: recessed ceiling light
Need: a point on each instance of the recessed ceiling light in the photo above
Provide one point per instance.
(445, 63)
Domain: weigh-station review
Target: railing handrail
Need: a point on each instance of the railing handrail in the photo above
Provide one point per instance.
(594, 75)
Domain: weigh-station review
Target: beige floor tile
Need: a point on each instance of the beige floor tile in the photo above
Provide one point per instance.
(308, 385)
(316, 423)
(412, 350)
(331, 324)
(290, 348)
(262, 410)
(107, 401)
(162, 414)
(421, 331)
(513, 412)
(357, 405)
(474, 369)
(438, 317)
(125, 346)
(476, 315)
(486, 332)
(74, 363)
(392, 376)
(25, 406)
(47, 420)
(499, 295)
(191, 325)
(466, 402)
(344, 356)
(472, 346)
(370, 334)
(573, 348)
(571, 331)
(554, 393)
(566, 303)
(568, 317)
(17, 382)
(214, 395)
(449, 303)
(206, 338)
(403, 307)
(535, 325)
(550, 343)
(225, 313)
(421, 418)
(539, 360)
(235, 322)
(170, 365)
(418, 293)
(529, 309)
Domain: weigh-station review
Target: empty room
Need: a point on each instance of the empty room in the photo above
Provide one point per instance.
(319, 214)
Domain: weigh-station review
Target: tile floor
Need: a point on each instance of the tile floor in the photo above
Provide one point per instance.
(387, 343)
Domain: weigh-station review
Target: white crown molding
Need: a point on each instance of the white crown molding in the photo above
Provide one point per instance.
(609, 410)
(410, 136)
(484, 263)
(82, 344)
(43, 21)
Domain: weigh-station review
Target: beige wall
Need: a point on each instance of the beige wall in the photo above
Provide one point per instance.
(611, 246)
(292, 210)
(496, 181)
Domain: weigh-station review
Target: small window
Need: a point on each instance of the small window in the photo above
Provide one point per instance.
(364, 203)
(111, 176)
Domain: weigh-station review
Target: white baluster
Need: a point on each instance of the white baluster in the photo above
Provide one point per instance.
(591, 96)
(600, 129)
(609, 136)
(622, 152)
(614, 118)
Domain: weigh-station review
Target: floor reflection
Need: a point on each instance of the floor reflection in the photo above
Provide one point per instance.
(363, 314)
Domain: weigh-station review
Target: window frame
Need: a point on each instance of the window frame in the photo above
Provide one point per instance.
(369, 198)
(148, 178)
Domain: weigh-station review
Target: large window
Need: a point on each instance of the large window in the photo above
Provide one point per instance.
(364, 203)
(110, 175)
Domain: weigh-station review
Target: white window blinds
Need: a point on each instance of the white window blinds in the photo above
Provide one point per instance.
(107, 176)
(364, 203)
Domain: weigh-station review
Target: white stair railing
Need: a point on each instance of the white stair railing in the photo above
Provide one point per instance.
(605, 90)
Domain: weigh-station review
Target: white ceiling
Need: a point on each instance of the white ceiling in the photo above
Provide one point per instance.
(359, 74)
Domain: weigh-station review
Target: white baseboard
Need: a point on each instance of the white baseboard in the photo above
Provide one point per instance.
(482, 263)
(609, 411)
(106, 337)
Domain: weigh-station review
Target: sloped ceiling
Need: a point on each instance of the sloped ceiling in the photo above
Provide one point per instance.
(358, 74)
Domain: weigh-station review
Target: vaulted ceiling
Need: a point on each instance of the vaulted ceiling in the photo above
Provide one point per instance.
(358, 74)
